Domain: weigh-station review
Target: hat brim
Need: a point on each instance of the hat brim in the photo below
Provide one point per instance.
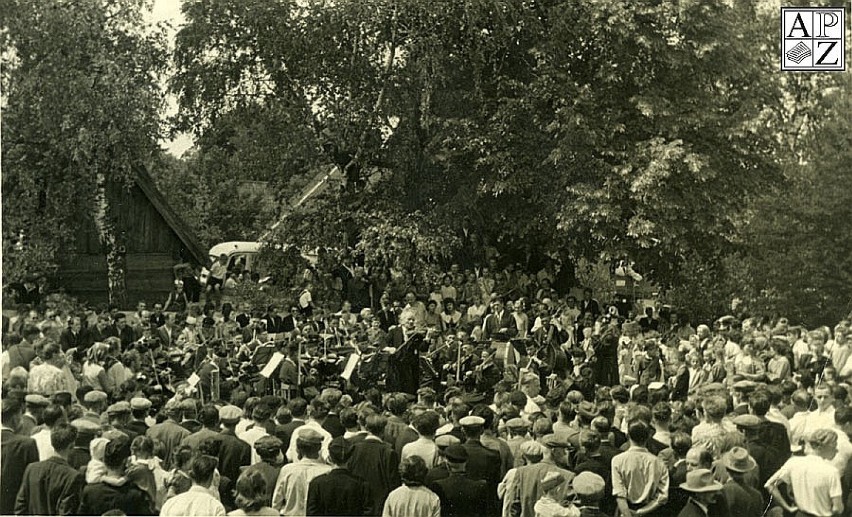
(715, 487)
(751, 466)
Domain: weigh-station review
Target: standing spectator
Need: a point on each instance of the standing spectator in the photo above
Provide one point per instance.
(170, 433)
(34, 406)
(814, 481)
(640, 480)
(268, 448)
(482, 463)
(47, 378)
(412, 499)
(139, 407)
(290, 496)
(234, 453)
(425, 424)
(94, 374)
(253, 496)
(550, 502)
(317, 412)
(17, 452)
(53, 416)
(260, 417)
(198, 500)
(703, 491)
(459, 495)
(376, 463)
(338, 491)
(52, 486)
(742, 500)
(101, 496)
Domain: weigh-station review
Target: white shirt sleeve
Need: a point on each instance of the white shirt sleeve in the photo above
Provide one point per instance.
(278, 494)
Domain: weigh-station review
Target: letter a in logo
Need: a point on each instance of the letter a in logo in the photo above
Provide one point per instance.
(799, 24)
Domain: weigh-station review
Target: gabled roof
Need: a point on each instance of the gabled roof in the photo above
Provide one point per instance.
(181, 229)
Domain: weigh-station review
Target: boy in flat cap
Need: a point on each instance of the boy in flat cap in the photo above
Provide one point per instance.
(550, 502)
(234, 452)
(269, 450)
(589, 488)
(32, 418)
(139, 407)
(290, 496)
(119, 416)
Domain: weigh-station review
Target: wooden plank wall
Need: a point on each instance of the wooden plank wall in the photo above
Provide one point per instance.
(152, 249)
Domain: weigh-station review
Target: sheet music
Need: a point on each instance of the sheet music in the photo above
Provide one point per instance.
(273, 363)
(351, 363)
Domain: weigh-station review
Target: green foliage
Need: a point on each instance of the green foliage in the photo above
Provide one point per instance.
(214, 198)
(658, 131)
(608, 127)
(798, 241)
(82, 99)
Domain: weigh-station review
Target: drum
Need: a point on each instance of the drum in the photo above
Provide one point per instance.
(505, 354)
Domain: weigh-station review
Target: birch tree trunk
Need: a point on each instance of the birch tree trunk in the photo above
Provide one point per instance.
(116, 257)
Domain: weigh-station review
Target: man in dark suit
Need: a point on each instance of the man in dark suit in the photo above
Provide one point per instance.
(233, 453)
(386, 315)
(100, 331)
(404, 363)
(774, 434)
(17, 452)
(168, 332)
(741, 498)
(122, 330)
(338, 492)
(274, 321)
(703, 491)
(593, 461)
(157, 317)
(299, 410)
(460, 495)
(332, 424)
(500, 324)
(73, 336)
(589, 305)
(52, 486)
(375, 461)
(482, 463)
(243, 318)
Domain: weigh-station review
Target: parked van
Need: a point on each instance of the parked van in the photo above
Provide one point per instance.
(244, 254)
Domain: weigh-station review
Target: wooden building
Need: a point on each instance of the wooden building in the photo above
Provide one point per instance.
(156, 239)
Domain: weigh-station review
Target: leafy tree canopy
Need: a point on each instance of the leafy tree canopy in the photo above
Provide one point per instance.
(82, 104)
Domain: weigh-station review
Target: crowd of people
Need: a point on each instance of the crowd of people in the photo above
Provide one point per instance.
(463, 392)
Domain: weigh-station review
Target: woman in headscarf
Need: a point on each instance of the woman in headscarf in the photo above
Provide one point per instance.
(94, 374)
